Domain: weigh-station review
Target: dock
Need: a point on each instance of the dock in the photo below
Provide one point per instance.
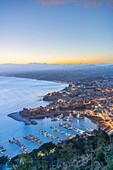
(34, 139)
(23, 148)
(49, 135)
(62, 132)
(2, 150)
(68, 118)
(57, 118)
(3, 154)
(70, 127)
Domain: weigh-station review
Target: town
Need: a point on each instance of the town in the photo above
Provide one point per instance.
(93, 99)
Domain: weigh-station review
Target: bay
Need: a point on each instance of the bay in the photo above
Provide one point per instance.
(19, 93)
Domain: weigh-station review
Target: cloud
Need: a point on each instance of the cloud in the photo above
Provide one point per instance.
(83, 2)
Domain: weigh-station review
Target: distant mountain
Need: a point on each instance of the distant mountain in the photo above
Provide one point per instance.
(19, 68)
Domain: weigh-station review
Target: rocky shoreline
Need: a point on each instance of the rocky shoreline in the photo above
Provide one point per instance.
(16, 116)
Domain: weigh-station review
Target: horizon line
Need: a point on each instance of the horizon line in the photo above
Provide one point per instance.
(56, 63)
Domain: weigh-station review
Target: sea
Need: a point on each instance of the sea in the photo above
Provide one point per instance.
(19, 93)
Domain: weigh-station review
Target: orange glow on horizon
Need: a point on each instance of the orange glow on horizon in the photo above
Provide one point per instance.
(77, 61)
(83, 62)
(60, 62)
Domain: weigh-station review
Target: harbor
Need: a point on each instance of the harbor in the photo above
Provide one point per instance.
(31, 137)
(20, 95)
(54, 132)
(17, 97)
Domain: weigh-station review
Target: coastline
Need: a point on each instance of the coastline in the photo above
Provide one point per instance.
(65, 74)
(35, 78)
(72, 99)
(62, 98)
(16, 116)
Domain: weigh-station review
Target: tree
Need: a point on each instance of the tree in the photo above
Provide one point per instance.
(110, 166)
(100, 157)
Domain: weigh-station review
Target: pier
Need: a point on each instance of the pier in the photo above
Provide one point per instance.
(68, 118)
(49, 135)
(23, 148)
(62, 132)
(3, 154)
(57, 118)
(69, 127)
(34, 139)
(2, 150)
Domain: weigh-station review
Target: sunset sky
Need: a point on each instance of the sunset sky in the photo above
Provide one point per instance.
(56, 31)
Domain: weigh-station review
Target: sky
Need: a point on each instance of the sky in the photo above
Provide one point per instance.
(56, 31)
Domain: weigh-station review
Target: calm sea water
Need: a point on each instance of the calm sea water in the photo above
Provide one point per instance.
(16, 93)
